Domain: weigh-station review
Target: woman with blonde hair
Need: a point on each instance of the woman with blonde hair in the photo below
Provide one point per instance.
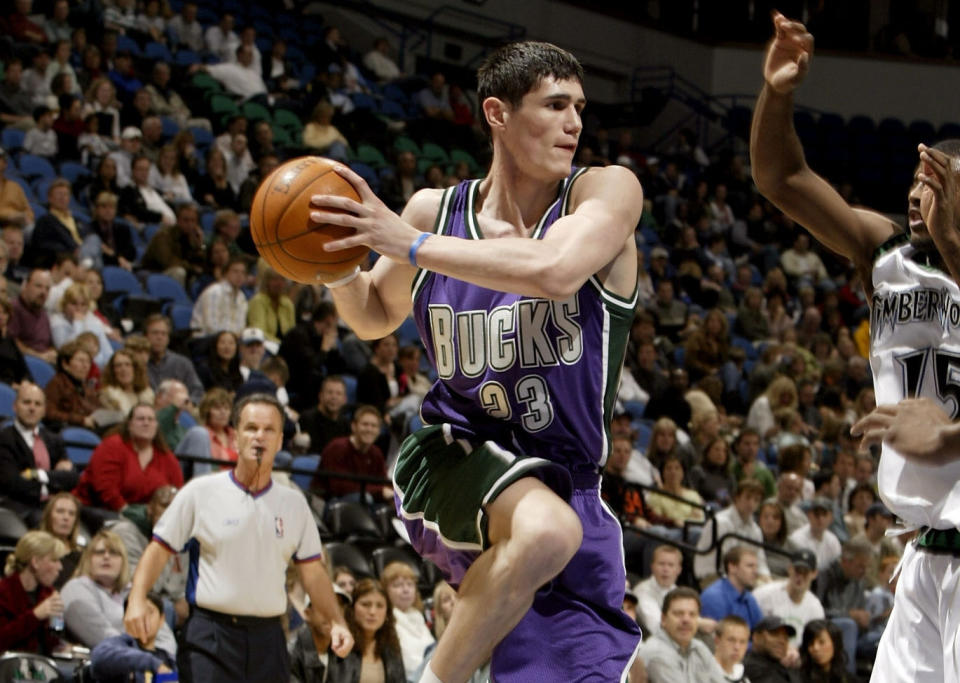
(74, 318)
(780, 393)
(322, 136)
(167, 179)
(271, 310)
(401, 583)
(61, 518)
(125, 383)
(376, 645)
(101, 98)
(27, 596)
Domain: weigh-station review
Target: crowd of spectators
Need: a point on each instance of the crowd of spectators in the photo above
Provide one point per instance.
(744, 370)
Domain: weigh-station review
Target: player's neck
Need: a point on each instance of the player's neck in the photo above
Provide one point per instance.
(509, 195)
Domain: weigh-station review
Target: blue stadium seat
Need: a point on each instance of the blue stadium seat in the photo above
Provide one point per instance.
(304, 462)
(181, 314)
(73, 171)
(170, 127)
(13, 140)
(351, 383)
(41, 371)
(157, 52)
(367, 173)
(33, 166)
(116, 279)
(408, 333)
(201, 136)
(186, 58)
(127, 43)
(80, 444)
(165, 288)
(7, 396)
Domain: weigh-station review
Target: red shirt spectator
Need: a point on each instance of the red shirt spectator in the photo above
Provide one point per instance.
(354, 454)
(128, 467)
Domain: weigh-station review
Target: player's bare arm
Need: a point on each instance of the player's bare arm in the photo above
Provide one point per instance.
(938, 204)
(607, 206)
(317, 583)
(376, 302)
(917, 428)
(780, 169)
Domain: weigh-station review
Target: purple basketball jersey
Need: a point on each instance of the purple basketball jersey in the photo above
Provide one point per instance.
(535, 375)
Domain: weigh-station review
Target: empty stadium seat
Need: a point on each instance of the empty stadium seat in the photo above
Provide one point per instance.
(80, 444)
(7, 397)
(33, 166)
(304, 462)
(116, 279)
(347, 519)
(165, 288)
(344, 554)
(41, 371)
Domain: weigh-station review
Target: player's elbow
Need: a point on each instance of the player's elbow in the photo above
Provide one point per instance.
(558, 279)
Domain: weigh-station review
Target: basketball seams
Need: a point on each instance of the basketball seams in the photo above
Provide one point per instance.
(277, 263)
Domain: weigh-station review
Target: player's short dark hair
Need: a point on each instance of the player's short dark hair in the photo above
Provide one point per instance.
(680, 593)
(259, 397)
(513, 70)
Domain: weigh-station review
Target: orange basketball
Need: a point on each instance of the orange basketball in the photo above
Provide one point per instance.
(283, 232)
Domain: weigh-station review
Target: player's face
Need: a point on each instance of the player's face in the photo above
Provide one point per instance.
(542, 133)
(919, 237)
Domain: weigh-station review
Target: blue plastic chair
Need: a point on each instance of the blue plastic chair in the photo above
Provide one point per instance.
(201, 136)
(80, 444)
(165, 288)
(157, 52)
(7, 397)
(33, 166)
(304, 462)
(73, 171)
(186, 58)
(116, 279)
(128, 43)
(41, 371)
(351, 382)
(13, 139)
(180, 314)
(170, 127)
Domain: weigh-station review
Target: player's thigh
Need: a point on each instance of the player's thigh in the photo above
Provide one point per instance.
(529, 511)
(911, 649)
(948, 568)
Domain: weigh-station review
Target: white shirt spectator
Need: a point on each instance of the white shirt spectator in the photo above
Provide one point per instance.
(641, 471)
(237, 79)
(52, 304)
(384, 68)
(223, 45)
(728, 521)
(650, 595)
(827, 549)
(774, 600)
(123, 159)
(41, 143)
(189, 34)
(173, 188)
(155, 203)
(220, 307)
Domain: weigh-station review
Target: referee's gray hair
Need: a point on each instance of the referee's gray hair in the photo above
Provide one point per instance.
(260, 397)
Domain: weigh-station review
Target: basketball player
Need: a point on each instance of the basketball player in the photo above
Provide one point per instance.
(915, 351)
(523, 288)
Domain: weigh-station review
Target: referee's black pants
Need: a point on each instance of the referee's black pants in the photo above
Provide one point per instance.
(217, 647)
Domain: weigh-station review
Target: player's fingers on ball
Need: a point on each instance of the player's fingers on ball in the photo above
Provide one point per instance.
(345, 243)
(332, 201)
(359, 184)
(344, 219)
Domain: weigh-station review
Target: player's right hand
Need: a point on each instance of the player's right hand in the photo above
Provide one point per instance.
(135, 620)
(788, 57)
(914, 428)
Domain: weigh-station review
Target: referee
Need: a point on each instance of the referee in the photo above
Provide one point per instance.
(240, 531)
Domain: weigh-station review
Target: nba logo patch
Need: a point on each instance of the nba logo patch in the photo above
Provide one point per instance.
(278, 526)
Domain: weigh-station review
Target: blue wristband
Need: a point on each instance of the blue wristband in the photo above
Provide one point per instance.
(416, 245)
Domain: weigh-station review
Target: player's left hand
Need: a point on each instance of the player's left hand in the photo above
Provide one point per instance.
(377, 226)
(914, 428)
(341, 640)
(938, 199)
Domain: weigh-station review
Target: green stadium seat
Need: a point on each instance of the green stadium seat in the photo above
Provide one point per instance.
(371, 156)
(405, 144)
(254, 111)
(435, 153)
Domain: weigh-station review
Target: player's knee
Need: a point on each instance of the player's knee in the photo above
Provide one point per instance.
(553, 538)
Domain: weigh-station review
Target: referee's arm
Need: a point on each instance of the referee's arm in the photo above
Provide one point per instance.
(313, 576)
(148, 571)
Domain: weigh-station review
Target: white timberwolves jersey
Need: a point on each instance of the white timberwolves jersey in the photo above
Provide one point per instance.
(915, 352)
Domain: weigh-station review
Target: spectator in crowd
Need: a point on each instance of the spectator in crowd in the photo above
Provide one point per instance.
(713, 480)
(732, 593)
(34, 81)
(841, 589)
(14, 207)
(733, 636)
(62, 271)
(266, 164)
(214, 189)
(140, 203)
(311, 659)
(94, 283)
(378, 384)
(239, 162)
(355, 454)
(16, 270)
(801, 264)
(16, 102)
(128, 467)
(879, 519)
(214, 437)
(378, 62)
(60, 64)
(398, 187)
(665, 568)
(56, 26)
(131, 146)
(27, 596)
(746, 448)
(58, 230)
(116, 658)
(124, 76)
(326, 421)
(223, 305)
(764, 662)
(815, 535)
(177, 250)
(222, 366)
(221, 40)
(29, 325)
(860, 498)
(13, 366)
(104, 180)
(41, 140)
(822, 658)
(242, 76)
(674, 648)
(737, 519)
(75, 318)
(33, 460)
(344, 578)
(400, 581)
(321, 135)
(108, 242)
(670, 511)
(167, 179)
(185, 28)
(791, 599)
(172, 400)
(270, 309)
(61, 519)
(789, 492)
(773, 525)
(125, 383)
(376, 652)
(71, 398)
(101, 99)
(252, 351)
(151, 22)
(781, 393)
(313, 347)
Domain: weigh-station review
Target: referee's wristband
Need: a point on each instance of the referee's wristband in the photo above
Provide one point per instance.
(412, 255)
(346, 280)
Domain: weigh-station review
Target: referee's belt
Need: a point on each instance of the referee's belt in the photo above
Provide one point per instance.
(235, 619)
(939, 540)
